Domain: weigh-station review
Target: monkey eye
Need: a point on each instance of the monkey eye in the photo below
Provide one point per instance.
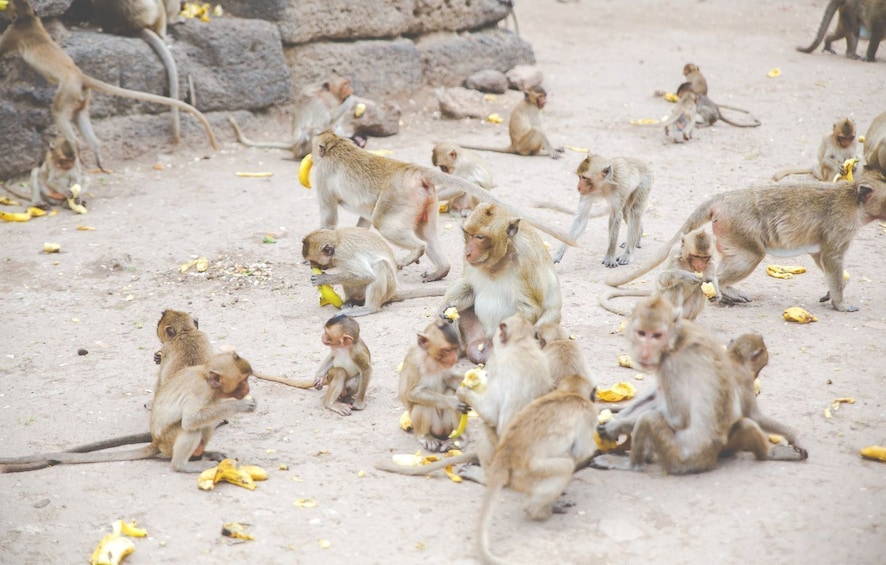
(479, 236)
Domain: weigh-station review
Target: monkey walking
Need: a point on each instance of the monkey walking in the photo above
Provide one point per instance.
(853, 16)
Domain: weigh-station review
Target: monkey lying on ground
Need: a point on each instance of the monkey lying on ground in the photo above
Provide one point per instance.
(463, 163)
(27, 36)
(834, 149)
(816, 218)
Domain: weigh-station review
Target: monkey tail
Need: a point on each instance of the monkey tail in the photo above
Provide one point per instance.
(144, 437)
(823, 28)
(249, 143)
(420, 292)
(41, 461)
(102, 86)
(159, 47)
(495, 481)
(698, 218)
(755, 123)
(507, 149)
(285, 381)
(604, 299)
(422, 470)
(786, 172)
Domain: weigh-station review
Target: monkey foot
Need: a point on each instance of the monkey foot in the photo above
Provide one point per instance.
(607, 462)
(561, 504)
(435, 276)
(473, 473)
(788, 453)
(730, 296)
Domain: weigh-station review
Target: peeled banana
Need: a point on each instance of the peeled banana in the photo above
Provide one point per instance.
(111, 550)
(14, 216)
(405, 421)
(798, 315)
(327, 293)
(617, 392)
(784, 272)
(304, 171)
(875, 452)
(671, 97)
(451, 313)
(74, 200)
(475, 379)
(359, 109)
(625, 361)
(708, 289)
(846, 170)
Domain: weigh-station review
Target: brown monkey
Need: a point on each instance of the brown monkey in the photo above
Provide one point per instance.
(681, 121)
(186, 411)
(854, 14)
(624, 183)
(875, 145)
(708, 111)
(679, 282)
(51, 182)
(695, 79)
(524, 127)
(816, 218)
(834, 149)
(464, 163)
(507, 270)
(398, 199)
(182, 345)
(27, 36)
(564, 356)
(364, 265)
(428, 383)
(147, 19)
(347, 369)
(539, 451)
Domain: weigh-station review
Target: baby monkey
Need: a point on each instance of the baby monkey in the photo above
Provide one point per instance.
(347, 368)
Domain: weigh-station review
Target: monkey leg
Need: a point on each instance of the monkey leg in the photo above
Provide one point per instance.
(550, 477)
(653, 436)
(336, 377)
(477, 345)
(746, 435)
(531, 143)
(736, 264)
(186, 443)
(614, 225)
(428, 232)
(831, 264)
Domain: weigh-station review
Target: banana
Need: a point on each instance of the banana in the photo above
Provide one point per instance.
(876, 452)
(451, 474)
(494, 119)
(644, 122)
(327, 293)
(798, 315)
(775, 438)
(359, 109)
(846, 170)
(14, 216)
(72, 201)
(708, 289)
(617, 392)
(206, 480)
(304, 171)
(671, 97)
(784, 272)
(3, 4)
(111, 550)
(130, 529)
(451, 313)
(604, 445)
(405, 421)
(625, 361)
(462, 424)
(236, 530)
(443, 206)
(475, 379)
(256, 472)
(774, 73)
(36, 212)
(51, 247)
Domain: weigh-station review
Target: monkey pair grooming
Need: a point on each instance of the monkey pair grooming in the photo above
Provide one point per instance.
(853, 16)
(816, 218)
(27, 36)
(708, 111)
(463, 163)
(834, 149)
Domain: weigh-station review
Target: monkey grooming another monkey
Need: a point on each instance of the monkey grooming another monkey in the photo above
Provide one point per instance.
(463, 163)
(186, 411)
(27, 36)
(816, 218)
(348, 367)
(834, 149)
(708, 111)
(875, 145)
(688, 267)
(524, 128)
(428, 383)
(507, 270)
(539, 451)
(364, 265)
(51, 182)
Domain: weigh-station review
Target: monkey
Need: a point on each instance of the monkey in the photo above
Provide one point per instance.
(507, 270)
(348, 367)
(681, 121)
(816, 218)
(853, 16)
(398, 199)
(624, 183)
(695, 79)
(875, 145)
(186, 411)
(834, 149)
(679, 282)
(365, 267)
(148, 20)
(708, 111)
(464, 163)
(539, 451)
(182, 345)
(563, 354)
(524, 128)
(27, 36)
(51, 182)
(428, 383)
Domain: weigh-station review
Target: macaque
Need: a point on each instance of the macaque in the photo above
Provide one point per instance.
(564, 355)
(186, 411)
(875, 145)
(398, 199)
(785, 221)
(524, 127)
(624, 183)
(428, 384)
(347, 369)
(688, 266)
(464, 163)
(517, 374)
(27, 36)
(182, 345)
(539, 451)
(695, 79)
(507, 270)
(854, 16)
(708, 111)
(51, 182)
(834, 149)
(681, 121)
(364, 265)
(148, 20)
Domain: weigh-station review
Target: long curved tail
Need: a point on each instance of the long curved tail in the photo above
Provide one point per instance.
(422, 470)
(40, 461)
(160, 47)
(494, 484)
(604, 300)
(241, 137)
(753, 124)
(144, 437)
(508, 149)
(285, 381)
(786, 172)
(823, 28)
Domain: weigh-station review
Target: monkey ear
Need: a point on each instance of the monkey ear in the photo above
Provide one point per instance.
(347, 340)
(214, 379)
(513, 227)
(169, 331)
(864, 192)
(607, 171)
(453, 155)
(196, 323)
(503, 332)
(328, 250)
(422, 341)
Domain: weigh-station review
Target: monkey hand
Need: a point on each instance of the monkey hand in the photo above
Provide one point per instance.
(559, 254)
(319, 381)
(319, 278)
(247, 404)
(605, 433)
(463, 408)
(158, 357)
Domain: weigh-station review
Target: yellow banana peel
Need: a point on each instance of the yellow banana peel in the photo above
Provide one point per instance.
(798, 315)
(670, 97)
(230, 471)
(304, 171)
(249, 175)
(405, 421)
(602, 444)
(644, 122)
(846, 170)
(130, 529)
(451, 474)
(327, 293)
(784, 272)
(494, 119)
(443, 206)
(236, 530)
(14, 216)
(36, 212)
(617, 392)
(774, 73)
(305, 503)
(577, 149)
(111, 550)
(51, 247)
(256, 472)
(876, 452)
(462, 424)
(3, 4)
(775, 438)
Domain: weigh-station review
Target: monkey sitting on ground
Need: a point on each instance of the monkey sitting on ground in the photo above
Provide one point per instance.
(875, 145)
(689, 266)
(564, 355)
(785, 221)
(364, 265)
(348, 367)
(524, 128)
(708, 111)
(27, 36)
(428, 384)
(463, 163)
(834, 149)
(51, 182)
(696, 80)
(681, 121)
(186, 411)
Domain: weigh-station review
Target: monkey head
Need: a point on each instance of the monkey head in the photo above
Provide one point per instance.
(63, 154)
(173, 322)
(324, 142)
(440, 341)
(689, 68)
(551, 331)
(228, 374)
(697, 249)
(537, 96)
(444, 156)
(513, 328)
(318, 248)
(844, 132)
(338, 86)
(652, 331)
(750, 351)
(592, 173)
(871, 194)
(340, 331)
(488, 233)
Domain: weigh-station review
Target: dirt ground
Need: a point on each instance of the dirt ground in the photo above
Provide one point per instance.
(602, 61)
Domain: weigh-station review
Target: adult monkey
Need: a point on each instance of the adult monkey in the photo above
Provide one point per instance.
(816, 218)
(875, 145)
(854, 14)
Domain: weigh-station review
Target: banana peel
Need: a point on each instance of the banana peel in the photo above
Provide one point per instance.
(451, 474)
(111, 550)
(14, 216)
(644, 122)
(798, 315)
(462, 425)
(3, 4)
(875, 452)
(230, 471)
(846, 170)
(327, 293)
(74, 200)
(774, 73)
(671, 97)
(236, 530)
(494, 118)
(784, 272)
(304, 171)
(130, 529)
(406, 421)
(617, 392)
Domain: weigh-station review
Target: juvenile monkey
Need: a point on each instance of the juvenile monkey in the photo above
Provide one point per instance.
(564, 355)
(538, 453)
(182, 345)
(708, 111)
(428, 383)
(507, 270)
(785, 221)
(364, 265)
(834, 149)
(51, 182)
(624, 183)
(681, 121)
(679, 282)
(524, 127)
(464, 163)
(27, 36)
(695, 79)
(875, 145)
(186, 411)
(347, 369)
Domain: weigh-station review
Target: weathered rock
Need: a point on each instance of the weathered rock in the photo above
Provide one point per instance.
(378, 119)
(50, 8)
(447, 58)
(524, 77)
(488, 80)
(458, 102)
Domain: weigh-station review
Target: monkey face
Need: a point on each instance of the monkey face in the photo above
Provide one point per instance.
(698, 263)
(845, 141)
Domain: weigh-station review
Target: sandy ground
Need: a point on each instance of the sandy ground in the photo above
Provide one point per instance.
(104, 292)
